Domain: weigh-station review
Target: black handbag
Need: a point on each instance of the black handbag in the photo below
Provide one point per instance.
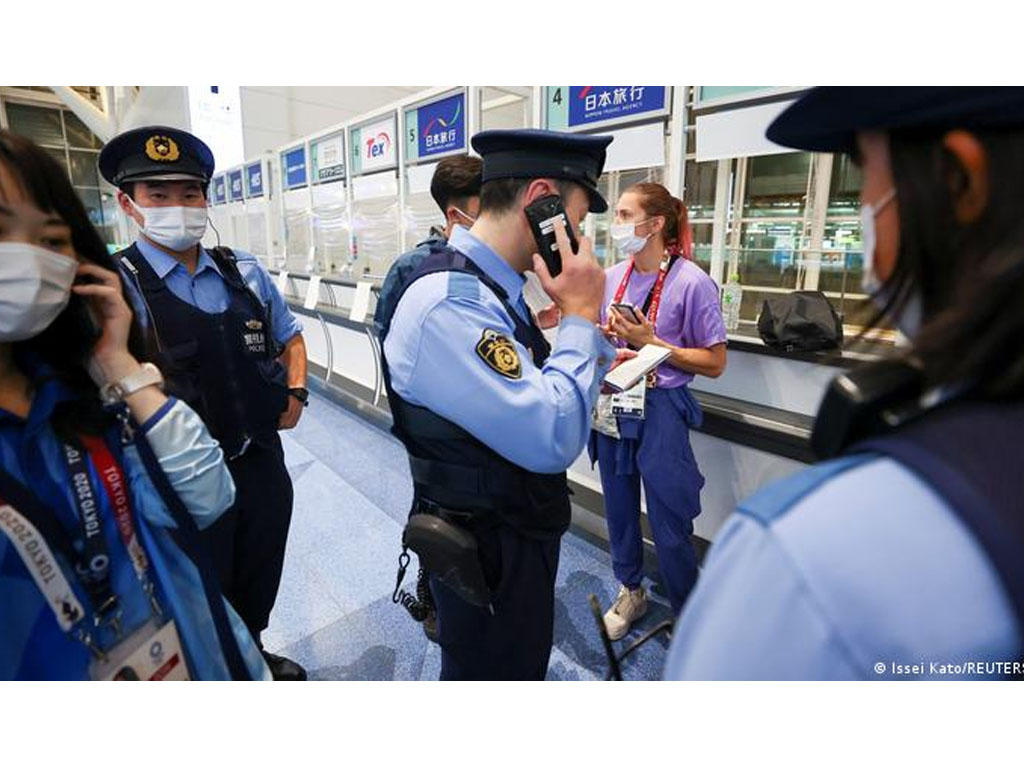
(800, 321)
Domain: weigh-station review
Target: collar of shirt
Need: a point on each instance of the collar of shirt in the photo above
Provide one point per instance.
(491, 263)
(163, 263)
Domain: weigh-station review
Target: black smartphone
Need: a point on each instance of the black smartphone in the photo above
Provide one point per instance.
(542, 215)
(87, 331)
(628, 310)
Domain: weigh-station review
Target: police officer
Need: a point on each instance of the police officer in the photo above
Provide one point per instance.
(901, 557)
(490, 415)
(236, 351)
(455, 187)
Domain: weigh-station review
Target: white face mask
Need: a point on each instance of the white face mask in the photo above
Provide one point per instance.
(909, 319)
(626, 239)
(868, 213)
(177, 227)
(35, 285)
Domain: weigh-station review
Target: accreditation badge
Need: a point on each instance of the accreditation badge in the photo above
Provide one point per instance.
(630, 403)
(152, 652)
(604, 421)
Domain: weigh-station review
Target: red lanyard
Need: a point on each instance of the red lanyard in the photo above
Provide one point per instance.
(655, 296)
(117, 491)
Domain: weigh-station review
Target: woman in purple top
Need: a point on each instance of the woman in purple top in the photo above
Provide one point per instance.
(678, 308)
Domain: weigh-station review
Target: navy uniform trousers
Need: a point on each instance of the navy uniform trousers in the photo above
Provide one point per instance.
(515, 642)
(657, 451)
(248, 542)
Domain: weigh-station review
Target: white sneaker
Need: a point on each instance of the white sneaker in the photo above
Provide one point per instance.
(629, 605)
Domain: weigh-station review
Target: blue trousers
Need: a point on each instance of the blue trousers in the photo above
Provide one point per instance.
(513, 643)
(655, 450)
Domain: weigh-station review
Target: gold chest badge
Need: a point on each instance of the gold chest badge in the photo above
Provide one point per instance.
(500, 354)
(162, 149)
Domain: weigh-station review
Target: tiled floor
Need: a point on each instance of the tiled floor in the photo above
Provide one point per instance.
(334, 613)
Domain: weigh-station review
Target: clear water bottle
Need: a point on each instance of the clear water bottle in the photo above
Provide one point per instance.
(732, 297)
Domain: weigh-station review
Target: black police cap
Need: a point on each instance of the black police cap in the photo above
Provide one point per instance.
(535, 154)
(827, 119)
(158, 153)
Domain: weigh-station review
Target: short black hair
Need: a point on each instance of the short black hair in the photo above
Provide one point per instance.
(499, 196)
(456, 179)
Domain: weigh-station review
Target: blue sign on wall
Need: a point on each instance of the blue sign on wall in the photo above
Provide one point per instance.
(294, 163)
(220, 194)
(254, 179)
(235, 185)
(589, 104)
(442, 126)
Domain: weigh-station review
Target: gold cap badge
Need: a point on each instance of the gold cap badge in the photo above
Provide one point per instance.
(162, 149)
(500, 354)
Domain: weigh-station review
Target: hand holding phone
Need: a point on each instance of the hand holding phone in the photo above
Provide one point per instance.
(109, 320)
(629, 312)
(579, 287)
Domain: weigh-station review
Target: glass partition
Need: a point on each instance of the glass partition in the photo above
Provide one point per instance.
(297, 219)
(375, 226)
(332, 230)
(256, 214)
(421, 213)
(239, 227)
(777, 185)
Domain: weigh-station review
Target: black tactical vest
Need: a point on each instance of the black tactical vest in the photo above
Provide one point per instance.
(222, 364)
(450, 467)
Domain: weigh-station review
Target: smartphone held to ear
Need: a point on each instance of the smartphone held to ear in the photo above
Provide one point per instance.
(85, 326)
(542, 215)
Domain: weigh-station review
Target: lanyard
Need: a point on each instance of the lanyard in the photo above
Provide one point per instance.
(117, 492)
(92, 563)
(33, 530)
(653, 301)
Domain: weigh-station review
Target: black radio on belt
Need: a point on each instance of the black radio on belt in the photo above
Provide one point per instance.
(450, 553)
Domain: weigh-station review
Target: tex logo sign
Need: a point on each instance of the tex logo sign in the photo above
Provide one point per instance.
(378, 147)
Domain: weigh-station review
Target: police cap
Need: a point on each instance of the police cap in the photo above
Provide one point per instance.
(828, 119)
(534, 154)
(156, 153)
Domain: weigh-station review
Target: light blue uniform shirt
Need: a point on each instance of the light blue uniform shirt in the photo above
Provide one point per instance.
(32, 646)
(205, 288)
(869, 570)
(539, 421)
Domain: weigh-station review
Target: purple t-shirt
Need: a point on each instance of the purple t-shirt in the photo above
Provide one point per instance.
(690, 315)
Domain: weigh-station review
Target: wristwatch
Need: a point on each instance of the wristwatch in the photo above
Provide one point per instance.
(146, 376)
(301, 394)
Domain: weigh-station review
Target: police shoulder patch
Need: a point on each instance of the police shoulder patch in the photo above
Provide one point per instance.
(500, 353)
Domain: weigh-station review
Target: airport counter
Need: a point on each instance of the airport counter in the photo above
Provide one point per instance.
(757, 416)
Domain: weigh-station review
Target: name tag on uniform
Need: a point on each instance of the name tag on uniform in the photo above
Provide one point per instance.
(149, 653)
(254, 337)
(631, 403)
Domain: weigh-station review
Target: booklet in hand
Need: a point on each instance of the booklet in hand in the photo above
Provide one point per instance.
(631, 371)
